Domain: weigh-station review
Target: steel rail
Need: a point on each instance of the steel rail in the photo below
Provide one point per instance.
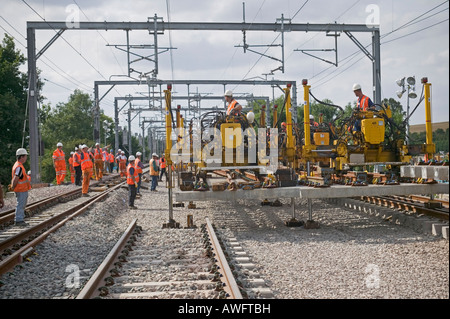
(406, 205)
(18, 256)
(90, 290)
(231, 286)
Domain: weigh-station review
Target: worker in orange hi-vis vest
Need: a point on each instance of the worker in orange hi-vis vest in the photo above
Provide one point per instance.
(59, 163)
(234, 108)
(72, 169)
(98, 161)
(122, 159)
(105, 157)
(87, 168)
(20, 185)
(110, 160)
(132, 181)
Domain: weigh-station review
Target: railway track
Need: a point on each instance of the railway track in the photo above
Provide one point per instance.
(412, 204)
(192, 266)
(44, 217)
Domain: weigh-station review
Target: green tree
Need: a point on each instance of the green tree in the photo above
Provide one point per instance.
(70, 123)
(13, 100)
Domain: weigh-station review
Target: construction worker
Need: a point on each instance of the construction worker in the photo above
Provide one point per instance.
(234, 108)
(98, 162)
(364, 102)
(111, 160)
(139, 168)
(87, 168)
(59, 163)
(122, 160)
(162, 166)
(154, 172)
(71, 168)
(77, 165)
(20, 185)
(119, 152)
(132, 181)
(283, 127)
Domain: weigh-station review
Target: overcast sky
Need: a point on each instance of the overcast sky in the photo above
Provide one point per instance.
(415, 42)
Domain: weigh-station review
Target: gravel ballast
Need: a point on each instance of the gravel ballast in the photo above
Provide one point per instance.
(351, 255)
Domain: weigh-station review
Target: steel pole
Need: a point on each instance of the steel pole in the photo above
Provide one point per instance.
(32, 107)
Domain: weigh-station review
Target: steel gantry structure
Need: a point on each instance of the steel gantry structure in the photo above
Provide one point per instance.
(157, 26)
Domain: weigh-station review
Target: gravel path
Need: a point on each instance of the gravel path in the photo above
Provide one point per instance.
(352, 255)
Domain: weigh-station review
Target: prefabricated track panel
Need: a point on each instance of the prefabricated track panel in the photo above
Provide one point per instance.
(334, 191)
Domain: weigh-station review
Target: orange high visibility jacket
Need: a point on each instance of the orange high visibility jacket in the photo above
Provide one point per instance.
(153, 172)
(98, 154)
(86, 162)
(59, 158)
(111, 157)
(122, 159)
(363, 103)
(231, 106)
(76, 159)
(136, 165)
(163, 162)
(135, 174)
(24, 183)
(71, 162)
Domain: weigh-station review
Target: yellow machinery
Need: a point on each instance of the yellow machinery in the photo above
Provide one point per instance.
(360, 139)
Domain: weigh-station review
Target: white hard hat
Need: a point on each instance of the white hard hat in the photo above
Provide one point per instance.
(228, 93)
(97, 144)
(122, 152)
(80, 146)
(131, 158)
(76, 148)
(138, 154)
(356, 86)
(154, 154)
(21, 151)
(84, 146)
(250, 117)
(59, 144)
(311, 117)
(29, 173)
(71, 153)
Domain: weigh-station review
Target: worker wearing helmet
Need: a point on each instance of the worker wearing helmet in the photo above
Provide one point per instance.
(364, 102)
(117, 158)
(20, 185)
(234, 108)
(312, 123)
(132, 181)
(154, 172)
(87, 168)
(139, 168)
(162, 166)
(111, 160)
(98, 162)
(122, 160)
(59, 163)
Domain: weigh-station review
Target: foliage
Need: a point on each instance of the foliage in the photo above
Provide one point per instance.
(13, 100)
(440, 138)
